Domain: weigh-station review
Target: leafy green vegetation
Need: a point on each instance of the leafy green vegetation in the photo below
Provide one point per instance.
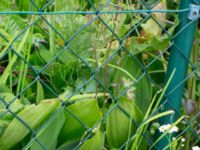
(87, 81)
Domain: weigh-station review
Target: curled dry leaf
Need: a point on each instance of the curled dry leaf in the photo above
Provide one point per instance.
(161, 16)
(151, 28)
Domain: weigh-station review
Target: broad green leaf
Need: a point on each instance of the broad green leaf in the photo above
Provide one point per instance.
(87, 111)
(95, 143)
(4, 89)
(33, 116)
(49, 135)
(119, 126)
(45, 55)
(141, 91)
(68, 145)
(15, 107)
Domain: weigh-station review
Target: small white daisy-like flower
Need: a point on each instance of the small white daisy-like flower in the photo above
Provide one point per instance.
(173, 138)
(173, 129)
(162, 129)
(183, 140)
(166, 127)
(195, 148)
(182, 145)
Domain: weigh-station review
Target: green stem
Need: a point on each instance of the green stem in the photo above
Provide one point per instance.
(12, 61)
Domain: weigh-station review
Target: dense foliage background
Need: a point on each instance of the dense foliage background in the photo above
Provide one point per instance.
(89, 81)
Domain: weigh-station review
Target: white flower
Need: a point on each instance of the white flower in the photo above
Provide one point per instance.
(166, 127)
(162, 128)
(173, 138)
(182, 145)
(183, 140)
(173, 129)
(195, 148)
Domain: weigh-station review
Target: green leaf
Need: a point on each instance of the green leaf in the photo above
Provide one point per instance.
(95, 143)
(40, 92)
(49, 135)
(87, 111)
(45, 54)
(141, 44)
(68, 145)
(157, 71)
(12, 60)
(119, 126)
(33, 116)
(4, 89)
(141, 91)
(15, 107)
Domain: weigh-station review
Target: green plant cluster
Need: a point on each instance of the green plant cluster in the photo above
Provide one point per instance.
(84, 81)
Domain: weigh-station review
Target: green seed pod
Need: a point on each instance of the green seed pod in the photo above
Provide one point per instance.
(152, 131)
(156, 125)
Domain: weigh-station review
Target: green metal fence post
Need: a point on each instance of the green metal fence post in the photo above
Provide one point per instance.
(177, 61)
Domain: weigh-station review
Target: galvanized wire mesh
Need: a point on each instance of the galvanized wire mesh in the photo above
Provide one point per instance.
(74, 45)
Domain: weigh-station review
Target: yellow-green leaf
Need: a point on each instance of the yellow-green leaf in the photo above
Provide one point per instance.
(87, 112)
(119, 126)
(33, 115)
(95, 143)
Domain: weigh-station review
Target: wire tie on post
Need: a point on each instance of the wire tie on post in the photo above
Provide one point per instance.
(194, 12)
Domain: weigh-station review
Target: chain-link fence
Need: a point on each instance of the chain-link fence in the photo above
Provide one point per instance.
(89, 74)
